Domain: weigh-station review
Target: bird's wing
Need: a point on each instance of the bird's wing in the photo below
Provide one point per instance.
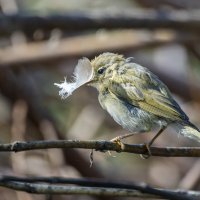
(139, 87)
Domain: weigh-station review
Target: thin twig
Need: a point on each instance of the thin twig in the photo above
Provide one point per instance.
(102, 145)
(92, 187)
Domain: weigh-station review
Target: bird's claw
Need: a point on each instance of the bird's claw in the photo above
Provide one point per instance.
(149, 154)
(117, 140)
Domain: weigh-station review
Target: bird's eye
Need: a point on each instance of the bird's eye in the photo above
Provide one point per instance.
(101, 70)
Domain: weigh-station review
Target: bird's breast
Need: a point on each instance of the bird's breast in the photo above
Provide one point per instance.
(128, 116)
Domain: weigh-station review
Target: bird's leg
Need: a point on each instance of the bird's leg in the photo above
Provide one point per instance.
(148, 145)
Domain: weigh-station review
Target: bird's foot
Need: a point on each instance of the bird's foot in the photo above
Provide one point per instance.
(149, 154)
(117, 140)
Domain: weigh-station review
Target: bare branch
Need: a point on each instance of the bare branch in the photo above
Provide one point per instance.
(92, 187)
(55, 189)
(102, 145)
(151, 19)
(92, 43)
(179, 4)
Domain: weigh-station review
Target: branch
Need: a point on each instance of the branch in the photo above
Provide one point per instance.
(32, 52)
(92, 187)
(138, 18)
(183, 4)
(38, 112)
(54, 189)
(102, 145)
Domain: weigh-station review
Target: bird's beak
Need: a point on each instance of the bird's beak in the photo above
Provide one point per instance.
(91, 82)
(92, 79)
(83, 74)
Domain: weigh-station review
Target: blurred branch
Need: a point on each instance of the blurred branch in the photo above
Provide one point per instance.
(191, 177)
(194, 49)
(100, 42)
(102, 145)
(93, 187)
(55, 189)
(151, 19)
(178, 4)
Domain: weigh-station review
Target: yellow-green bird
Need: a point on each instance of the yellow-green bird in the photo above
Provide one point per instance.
(136, 98)
(132, 95)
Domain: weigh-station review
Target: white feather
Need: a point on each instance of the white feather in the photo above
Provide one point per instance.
(83, 73)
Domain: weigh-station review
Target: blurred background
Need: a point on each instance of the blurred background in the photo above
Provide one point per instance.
(41, 42)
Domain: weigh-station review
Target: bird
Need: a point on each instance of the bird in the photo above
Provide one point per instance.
(136, 98)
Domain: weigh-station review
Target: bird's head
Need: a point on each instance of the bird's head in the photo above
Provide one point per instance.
(104, 66)
(96, 73)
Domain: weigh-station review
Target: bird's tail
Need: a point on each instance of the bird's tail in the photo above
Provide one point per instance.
(189, 130)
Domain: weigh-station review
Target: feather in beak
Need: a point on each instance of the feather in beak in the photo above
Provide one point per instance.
(83, 73)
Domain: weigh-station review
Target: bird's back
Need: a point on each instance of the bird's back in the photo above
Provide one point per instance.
(140, 87)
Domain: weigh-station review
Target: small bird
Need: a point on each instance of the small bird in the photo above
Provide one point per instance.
(136, 98)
